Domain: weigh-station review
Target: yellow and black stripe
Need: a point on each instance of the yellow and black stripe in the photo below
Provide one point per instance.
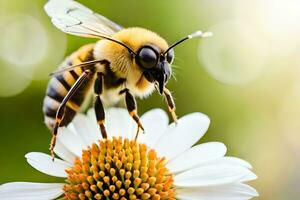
(60, 84)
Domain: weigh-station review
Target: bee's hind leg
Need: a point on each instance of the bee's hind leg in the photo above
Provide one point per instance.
(99, 109)
(132, 109)
(62, 108)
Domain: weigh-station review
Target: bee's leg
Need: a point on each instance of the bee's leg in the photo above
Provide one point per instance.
(61, 110)
(132, 109)
(99, 110)
(171, 104)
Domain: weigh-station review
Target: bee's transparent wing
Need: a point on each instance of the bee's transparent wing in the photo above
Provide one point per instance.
(73, 18)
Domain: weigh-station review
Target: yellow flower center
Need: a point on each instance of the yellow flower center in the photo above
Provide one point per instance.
(119, 169)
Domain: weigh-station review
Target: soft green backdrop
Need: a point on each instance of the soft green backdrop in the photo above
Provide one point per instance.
(246, 78)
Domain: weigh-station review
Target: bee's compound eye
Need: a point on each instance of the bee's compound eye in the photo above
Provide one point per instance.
(170, 56)
(147, 58)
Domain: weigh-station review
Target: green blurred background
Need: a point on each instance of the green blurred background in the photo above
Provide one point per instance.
(246, 78)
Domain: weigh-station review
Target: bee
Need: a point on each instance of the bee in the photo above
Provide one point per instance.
(124, 64)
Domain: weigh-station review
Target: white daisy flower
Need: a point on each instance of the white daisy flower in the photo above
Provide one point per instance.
(161, 164)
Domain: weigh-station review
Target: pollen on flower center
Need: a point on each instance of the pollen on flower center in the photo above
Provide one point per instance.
(119, 169)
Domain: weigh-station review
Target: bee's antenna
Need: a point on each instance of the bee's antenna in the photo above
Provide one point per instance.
(120, 43)
(190, 36)
(101, 36)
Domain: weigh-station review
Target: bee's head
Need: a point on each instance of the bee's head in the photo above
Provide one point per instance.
(155, 64)
(147, 55)
(155, 61)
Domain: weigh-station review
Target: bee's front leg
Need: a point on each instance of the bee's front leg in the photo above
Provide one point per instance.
(132, 109)
(171, 104)
(99, 110)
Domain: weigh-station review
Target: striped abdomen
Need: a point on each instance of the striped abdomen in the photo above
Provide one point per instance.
(60, 84)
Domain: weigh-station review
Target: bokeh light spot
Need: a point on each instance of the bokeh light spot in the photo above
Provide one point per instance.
(24, 41)
(234, 55)
(12, 82)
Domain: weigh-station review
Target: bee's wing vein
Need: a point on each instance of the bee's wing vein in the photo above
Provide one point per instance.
(74, 18)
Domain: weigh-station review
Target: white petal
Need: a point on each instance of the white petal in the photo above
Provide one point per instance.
(94, 125)
(118, 123)
(43, 163)
(178, 138)
(237, 161)
(84, 128)
(196, 156)
(213, 175)
(63, 152)
(155, 123)
(70, 140)
(133, 130)
(235, 191)
(30, 191)
(231, 161)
